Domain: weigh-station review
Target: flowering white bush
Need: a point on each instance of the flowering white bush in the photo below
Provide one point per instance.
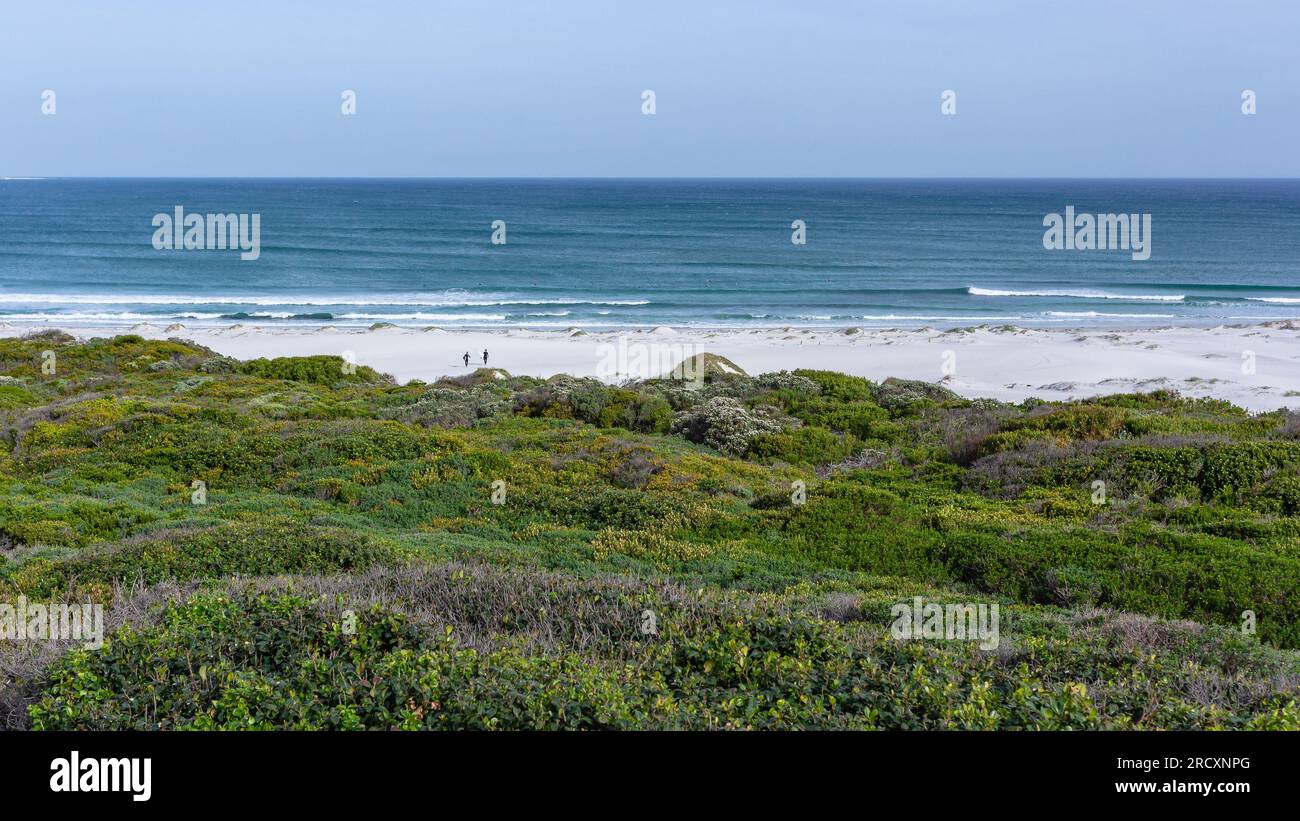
(784, 380)
(723, 423)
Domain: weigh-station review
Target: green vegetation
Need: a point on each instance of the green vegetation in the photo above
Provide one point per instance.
(509, 552)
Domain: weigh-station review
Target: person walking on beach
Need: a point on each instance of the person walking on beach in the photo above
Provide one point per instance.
(485, 356)
(467, 359)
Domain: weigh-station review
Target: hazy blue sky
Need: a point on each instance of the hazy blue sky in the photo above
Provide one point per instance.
(505, 88)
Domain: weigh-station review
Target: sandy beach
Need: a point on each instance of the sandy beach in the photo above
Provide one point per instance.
(1253, 366)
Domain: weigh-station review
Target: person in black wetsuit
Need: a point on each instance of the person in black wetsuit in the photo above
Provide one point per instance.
(485, 356)
(467, 359)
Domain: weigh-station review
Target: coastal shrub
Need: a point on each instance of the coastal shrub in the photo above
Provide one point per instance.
(806, 445)
(965, 430)
(909, 491)
(909, 397)
(635, 468)
(15, 395)
(839, 386)
(1145, 570)
(1289, 425)
(617, 507)
(267, 545)
(57, 337)
(597, 404)
(219, 365)
(318, 444)
(1282, 496)
(249, 658)
(857, 417)
(452, 408)
(652, 545)
(724, 424)
(787, 382)
(1074, 422)
(1230, 470)
(319, 370)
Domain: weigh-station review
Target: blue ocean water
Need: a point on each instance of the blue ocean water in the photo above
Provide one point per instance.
(633, 253)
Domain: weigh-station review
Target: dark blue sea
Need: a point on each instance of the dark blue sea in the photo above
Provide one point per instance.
(632, 253)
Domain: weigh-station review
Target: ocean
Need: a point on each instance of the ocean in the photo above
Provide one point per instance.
(607, 254)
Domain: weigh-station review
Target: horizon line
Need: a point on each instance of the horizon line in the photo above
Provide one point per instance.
(31, 178)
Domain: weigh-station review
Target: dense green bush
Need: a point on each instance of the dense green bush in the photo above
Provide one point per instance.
(268, 545)
(320, 370)
(597, 404)
(807, 446)
(451, 408)
(262, 661)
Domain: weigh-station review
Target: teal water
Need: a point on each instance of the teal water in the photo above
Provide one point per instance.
(641, 253)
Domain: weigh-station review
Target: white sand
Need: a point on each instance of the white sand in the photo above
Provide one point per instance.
(1004, 363)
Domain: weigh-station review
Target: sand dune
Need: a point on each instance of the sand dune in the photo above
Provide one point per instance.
(1255, 366)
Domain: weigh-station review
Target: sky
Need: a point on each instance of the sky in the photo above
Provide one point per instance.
(1146, 88)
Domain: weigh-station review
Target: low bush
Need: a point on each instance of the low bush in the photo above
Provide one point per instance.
(266, 546)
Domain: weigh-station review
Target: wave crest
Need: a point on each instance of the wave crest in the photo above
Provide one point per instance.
(974, 291)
